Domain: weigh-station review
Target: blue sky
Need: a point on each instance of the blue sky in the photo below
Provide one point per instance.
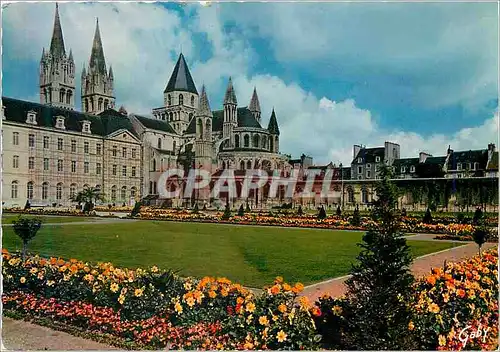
(424, 75)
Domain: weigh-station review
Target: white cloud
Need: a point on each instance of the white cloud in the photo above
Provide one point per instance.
(141, 41)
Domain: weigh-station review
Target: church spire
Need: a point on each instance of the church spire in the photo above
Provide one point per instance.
(254, 102)
(204, 105)
(57, 42)
(97, 61)
(273, 124)
(230, 96)
(181, 79)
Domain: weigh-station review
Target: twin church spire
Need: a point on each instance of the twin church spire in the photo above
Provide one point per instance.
(57, 75)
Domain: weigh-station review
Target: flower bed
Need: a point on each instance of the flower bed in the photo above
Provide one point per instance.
(462, 295)
(153, 307)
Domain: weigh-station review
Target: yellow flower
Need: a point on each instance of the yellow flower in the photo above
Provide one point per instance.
(336, 310)
(190, 301)
(88, 277)
(187, 286)
(114, 287)
(250, 307)
(138, 292)
(223, 292)
(240, 300)
(275, 317)
(446, 297)
(50, 283)
(13, 262)
(442, 340)
(121, 299)
(411, 326)
(66, 277)
(282, 308)
(281, 336)
(33, 270)
(304, 302)
(263, 320)
(249, 319)
(178, 308)
(434, 308)
(23, 280)
(279, 280)
(154, 269)
(287, 287)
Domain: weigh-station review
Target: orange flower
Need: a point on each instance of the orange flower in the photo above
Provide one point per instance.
(275, 290)
(240, 300)
(299, 287)
(278, 280)
(431, 280)
(460, 293)
(212, 294)
(263, 320)
(282, 308)
(316, 311)
(287, 287)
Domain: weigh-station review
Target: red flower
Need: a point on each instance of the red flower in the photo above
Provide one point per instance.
(230, 310)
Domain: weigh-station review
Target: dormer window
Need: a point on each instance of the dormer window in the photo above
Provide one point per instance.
(412, 169)
(31, 117)
(368, 166)
(360, 160)
(86, 126)
(403, 169)
(459, 167)
(377, 159)
(60, 122)
(476, 166)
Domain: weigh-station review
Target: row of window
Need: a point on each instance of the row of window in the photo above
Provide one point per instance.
(377, 160)
(159, 144)
(181, 100)
(257, 141)
(60, 145)
(60, 191)
(60, 166)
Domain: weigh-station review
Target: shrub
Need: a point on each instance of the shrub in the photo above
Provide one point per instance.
(196, 210)
(300, 212)
(26, 229)
(322, 213)
(478, 216)
(381, 280)
(136, 210)
(248, 208)
(480, 236)
(339, 211)
(427, 217)
(356, 217)
(241, 210)
(227, 213)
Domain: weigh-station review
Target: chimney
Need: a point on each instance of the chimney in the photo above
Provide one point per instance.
(491, 150)
(356, 150)
(422, 157)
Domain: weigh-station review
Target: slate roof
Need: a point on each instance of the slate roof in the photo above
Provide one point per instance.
(245, 119)
(254, 102)
(230, 96)
(273, 124)
(369, 155)
(439, 160)
(57, 42)
(155, 124)
(181, 79)
(469, 156)
(97, 62)
(405, 162)
(104, 124)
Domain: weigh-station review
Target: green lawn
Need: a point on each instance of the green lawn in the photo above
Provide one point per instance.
(251, 255)
(9, 218)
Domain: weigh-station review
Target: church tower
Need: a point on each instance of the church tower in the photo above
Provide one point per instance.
(230, 115)
(180, 97)
(97, 83)
(254, 106)
(274, 131)
(57, 71)
(203, 141)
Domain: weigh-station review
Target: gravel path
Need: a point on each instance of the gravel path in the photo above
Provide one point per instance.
(18, 335)
(420, 267)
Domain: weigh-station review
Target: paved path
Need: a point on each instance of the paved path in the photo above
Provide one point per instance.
(88, 222)
(18, 335)
(420, 267)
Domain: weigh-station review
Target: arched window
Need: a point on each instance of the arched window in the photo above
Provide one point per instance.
(181, 99)
(192, 100)
(153, 165)
(169, 100)
(223, 165)
(350, 195)
(159, 143)
(106, 103)
(113, 193)
(237, 141)
(123, 194)
(256, 141)
(72, 190)
(86, 105)
(13, 193)
(246, 141)
(59, 190)
(86, 186)
(171, 118)
(276, 140)
(29, 190)
(264, 142)
(242, 165)
(61, 95)
(249, 164)
(69, 94)
(133, 192)
(271, 144)
(173, 147)
(45, 190)
(99, 104)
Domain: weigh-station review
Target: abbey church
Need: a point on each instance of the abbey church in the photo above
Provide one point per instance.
(52, 150)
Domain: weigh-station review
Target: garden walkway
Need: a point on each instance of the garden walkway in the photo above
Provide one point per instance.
(421, 266)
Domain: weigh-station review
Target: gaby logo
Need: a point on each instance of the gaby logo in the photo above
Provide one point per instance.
(469, 333)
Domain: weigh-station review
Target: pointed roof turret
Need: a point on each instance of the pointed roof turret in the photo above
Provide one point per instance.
(273, 124)
(97, 61)
(57, 42)
(110, 72)
(181, 79)
(254, 102)
(70, 55)
(43, 54)
(230, 96)
(204, 105)
(84, 71)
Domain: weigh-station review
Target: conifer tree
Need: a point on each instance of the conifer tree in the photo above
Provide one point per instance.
(300, 212)
(322, 213)
(339, 211)
(241, 210)
(356, 217)
(381, 280)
